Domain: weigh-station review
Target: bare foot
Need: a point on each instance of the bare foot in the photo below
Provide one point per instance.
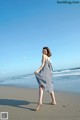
(38, 107)
(53, 103)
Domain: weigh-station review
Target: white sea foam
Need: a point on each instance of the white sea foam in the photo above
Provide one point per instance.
(58, 73)
(74, 72)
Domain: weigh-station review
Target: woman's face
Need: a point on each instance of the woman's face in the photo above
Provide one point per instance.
(44, 51)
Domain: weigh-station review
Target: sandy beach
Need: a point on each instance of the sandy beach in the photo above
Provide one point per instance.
(20, 103)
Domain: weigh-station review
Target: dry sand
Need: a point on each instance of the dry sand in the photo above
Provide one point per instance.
(20, 103)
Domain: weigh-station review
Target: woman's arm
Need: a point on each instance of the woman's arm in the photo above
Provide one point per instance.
(43, 63)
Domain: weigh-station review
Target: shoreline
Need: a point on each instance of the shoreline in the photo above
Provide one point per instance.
(20, 103)
(36, 88)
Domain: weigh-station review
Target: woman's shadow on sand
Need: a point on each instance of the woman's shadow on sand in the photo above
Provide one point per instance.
(16, 103)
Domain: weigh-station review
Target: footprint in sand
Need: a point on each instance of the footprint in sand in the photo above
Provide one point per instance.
(64, 106)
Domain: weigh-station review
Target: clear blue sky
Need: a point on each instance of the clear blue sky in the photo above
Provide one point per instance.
(26, 26)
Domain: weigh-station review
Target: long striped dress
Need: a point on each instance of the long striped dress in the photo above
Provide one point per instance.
(44, 77)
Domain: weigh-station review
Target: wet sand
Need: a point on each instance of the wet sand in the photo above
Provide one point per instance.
(20, 103)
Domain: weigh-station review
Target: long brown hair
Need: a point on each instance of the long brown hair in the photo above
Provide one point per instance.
(48, 51)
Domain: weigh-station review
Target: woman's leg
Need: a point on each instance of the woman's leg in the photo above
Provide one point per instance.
(40, 97)
(53, 98)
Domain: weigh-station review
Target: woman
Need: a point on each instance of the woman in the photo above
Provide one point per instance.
(44, 77)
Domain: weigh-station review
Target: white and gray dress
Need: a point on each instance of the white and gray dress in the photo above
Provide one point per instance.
(44, 77)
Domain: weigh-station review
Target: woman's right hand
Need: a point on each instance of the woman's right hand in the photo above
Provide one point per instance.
(36, 72)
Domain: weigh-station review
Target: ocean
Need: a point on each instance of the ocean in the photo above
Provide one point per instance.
(67, 80)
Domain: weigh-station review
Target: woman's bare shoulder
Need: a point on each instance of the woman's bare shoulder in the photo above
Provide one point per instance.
(43, 55)
(46, 57)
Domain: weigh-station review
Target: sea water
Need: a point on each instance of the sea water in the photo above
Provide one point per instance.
(64, 80)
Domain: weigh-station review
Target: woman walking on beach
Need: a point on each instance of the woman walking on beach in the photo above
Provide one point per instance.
(44, 77)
